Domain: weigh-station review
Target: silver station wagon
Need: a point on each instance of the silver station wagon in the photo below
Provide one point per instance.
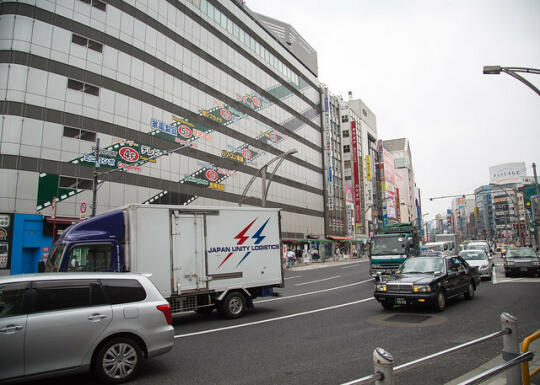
(58, 323)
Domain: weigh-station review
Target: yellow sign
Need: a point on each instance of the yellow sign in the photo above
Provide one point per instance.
(368, 167)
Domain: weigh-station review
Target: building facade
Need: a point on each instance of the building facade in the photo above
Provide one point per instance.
(187, 100)
(359, 133)
(405, 182)
(484, 212)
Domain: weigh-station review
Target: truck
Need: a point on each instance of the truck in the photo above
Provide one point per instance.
(199, 258)
(448, 238)
(391, 247)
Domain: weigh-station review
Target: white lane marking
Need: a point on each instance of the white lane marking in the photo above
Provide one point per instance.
(319, 280)
(273, 319)
(349, 266)
(313, 292)
(296, 276)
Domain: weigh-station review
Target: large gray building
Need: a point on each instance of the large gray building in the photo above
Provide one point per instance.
(188, 98)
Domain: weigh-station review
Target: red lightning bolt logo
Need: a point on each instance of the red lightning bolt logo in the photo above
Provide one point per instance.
(241, 239)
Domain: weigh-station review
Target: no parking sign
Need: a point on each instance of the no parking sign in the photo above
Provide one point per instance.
(83, 208)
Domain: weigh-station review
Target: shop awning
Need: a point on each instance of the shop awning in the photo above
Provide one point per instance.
(62, 220)
(339, 238)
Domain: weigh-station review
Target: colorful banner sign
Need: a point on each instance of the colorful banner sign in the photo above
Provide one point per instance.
(356, 176)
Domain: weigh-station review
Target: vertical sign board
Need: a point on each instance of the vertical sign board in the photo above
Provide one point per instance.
(328, 150)
(357, 209)
(368, 167)
(6, 230)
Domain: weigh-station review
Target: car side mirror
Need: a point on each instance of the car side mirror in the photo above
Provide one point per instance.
(41, 267)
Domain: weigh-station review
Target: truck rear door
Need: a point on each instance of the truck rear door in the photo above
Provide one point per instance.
(189, 251)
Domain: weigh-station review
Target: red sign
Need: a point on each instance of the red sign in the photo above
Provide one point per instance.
(83, 208)
(225, 114)
(185, 131)
(246, 153)
(211, 175)
(354, 154)
(129, 154)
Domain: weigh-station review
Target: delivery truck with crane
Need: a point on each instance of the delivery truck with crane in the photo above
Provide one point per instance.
(199, 258)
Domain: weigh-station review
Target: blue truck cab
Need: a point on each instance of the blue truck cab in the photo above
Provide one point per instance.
(96, 244)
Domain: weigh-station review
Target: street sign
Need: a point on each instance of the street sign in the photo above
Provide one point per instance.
(83, 208)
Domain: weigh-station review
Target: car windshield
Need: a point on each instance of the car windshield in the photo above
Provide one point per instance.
(423, 265)
(434, 247)
(522, 252)
(477, 247)
(388, 245)
(473, 255)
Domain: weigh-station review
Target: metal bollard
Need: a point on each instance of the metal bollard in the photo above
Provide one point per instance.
(511, 348)
(384, 364)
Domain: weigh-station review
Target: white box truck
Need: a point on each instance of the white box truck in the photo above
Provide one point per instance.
(199, 258)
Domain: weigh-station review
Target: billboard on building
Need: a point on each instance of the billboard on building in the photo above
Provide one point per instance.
(356, 176)
(368, 167)
(507, 173)
(389, 169)
(391, 201)
(349, 194)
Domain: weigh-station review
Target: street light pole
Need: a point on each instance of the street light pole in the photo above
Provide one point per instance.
(512, 71)
(262, 171)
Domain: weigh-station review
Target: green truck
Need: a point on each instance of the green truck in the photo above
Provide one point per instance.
(391, 247)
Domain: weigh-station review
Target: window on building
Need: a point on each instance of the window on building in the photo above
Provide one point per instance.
(80, 86)
(81, 40)
(71, 132)
(74, 183)
(345, 118)
(346, 148)
(96, 3)
(90, 89)
(77, 39)
(98, 47)
(345, 133)
(75, 85)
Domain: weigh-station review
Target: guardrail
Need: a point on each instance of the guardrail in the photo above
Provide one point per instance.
(525, 365)
(385, 371)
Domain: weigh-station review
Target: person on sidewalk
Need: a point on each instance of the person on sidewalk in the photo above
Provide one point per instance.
(315, 255)
(291, 259)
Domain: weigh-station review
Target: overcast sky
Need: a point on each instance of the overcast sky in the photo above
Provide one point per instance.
(418, 65)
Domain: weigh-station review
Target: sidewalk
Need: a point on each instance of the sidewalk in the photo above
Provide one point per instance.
(501, 378)
(327, 263)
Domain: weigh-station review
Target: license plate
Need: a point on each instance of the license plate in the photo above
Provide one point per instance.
(400, 301)
(523, 269)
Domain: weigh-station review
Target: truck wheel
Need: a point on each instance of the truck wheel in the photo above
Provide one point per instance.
(440, 302)
(469, 294)
(118, 360)
(233, 305)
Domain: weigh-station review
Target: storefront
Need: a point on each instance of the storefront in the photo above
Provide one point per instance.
(29, 240)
